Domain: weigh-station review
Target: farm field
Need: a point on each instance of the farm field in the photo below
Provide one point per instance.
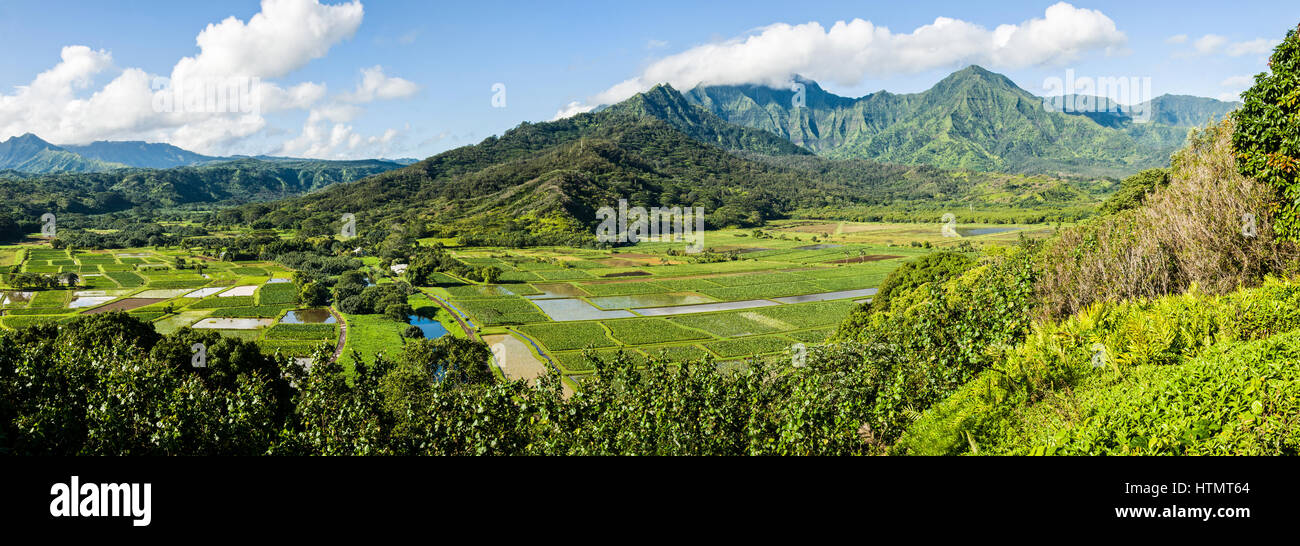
(765, 292)
(751, 294)
(172, 289)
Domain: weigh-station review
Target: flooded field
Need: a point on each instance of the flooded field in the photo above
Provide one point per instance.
(828, 296)
(650, 300)
(574, 310)
(309, 316)
(706, 308)
(232, 324)
(82, 302)
(204, 292)
(554, 291)
(238, 291)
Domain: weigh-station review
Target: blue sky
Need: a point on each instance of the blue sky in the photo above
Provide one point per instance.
(438, 61)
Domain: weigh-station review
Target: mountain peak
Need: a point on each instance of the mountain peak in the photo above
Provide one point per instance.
(29, 139)
(976, 74)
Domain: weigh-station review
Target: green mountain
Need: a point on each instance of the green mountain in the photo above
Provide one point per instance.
(542, 183)
(665, 103)
(139, 154)
(27, 196)
(28, 153)
(973, 119)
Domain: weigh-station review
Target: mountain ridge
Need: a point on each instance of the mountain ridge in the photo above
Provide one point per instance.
(541, 183)
(972, 119)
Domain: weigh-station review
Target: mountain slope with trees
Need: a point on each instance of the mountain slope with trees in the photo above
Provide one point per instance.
(973, 119)
(543, 183)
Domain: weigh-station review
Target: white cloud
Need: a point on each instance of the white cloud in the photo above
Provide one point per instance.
(375, 85)
(1229, 97)
(656, 44)
(1176, 39)
(282, 38)
(1238, 82)
(1208, 44)
(572, 109)
(1258, 46)
(324, 137)
(849, 52)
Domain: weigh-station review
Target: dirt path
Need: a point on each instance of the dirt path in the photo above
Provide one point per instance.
(469, 331)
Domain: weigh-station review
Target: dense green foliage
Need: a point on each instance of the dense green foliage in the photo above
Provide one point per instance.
(934, 339)
(934, 268)
(1187, 374)
(233, 182)
(1267, 136)
(1134, 190)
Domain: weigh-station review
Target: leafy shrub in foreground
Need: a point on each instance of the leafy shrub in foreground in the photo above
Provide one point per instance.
(1267, 136)
(1180, 360)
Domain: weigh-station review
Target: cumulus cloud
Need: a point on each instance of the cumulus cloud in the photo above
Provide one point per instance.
(1176, 39)
(326, 136)
(851, 51)
(211, 101)
(1208, 44)
(1258, 46)
(1238, 82)
(1236, 85)
(283, 37)
(375, 85)
(1214, 44)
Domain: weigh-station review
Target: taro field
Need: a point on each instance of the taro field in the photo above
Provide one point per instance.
(764, 295)
(172, 289)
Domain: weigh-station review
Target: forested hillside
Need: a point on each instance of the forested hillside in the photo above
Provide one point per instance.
(973, 119)
(542, 183)
(28, 196)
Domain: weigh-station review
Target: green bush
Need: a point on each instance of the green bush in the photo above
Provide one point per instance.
(932, 341)
(1267, 136)
(1174, 375)
(1134, 190)
(935, 268)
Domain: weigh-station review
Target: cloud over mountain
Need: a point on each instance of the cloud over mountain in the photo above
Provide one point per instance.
(851, 51)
